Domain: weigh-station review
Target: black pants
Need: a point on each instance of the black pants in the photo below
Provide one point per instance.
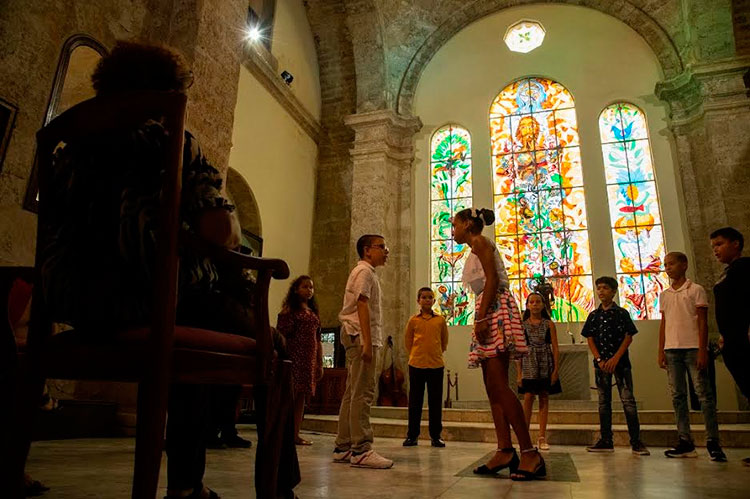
(188, 410)
(223, 411)
(418, 377)
(737, 360)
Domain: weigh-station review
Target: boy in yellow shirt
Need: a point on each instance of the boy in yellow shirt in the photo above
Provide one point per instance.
(426, 340)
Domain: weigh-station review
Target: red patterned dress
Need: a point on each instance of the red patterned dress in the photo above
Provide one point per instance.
(301, 329)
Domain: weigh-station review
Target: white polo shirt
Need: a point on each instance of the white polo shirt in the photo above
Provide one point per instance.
(362, 281)
(680, 308)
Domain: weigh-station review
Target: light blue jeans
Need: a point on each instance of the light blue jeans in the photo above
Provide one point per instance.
(681, 362)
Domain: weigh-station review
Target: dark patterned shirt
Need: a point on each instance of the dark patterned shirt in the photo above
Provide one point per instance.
(608, 328)
(98, 247)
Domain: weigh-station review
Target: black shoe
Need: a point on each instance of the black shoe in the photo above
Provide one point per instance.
(715, 452)
(438, 442)
(237, 442)
(215, 442)
(639, 449)
(682, 449)
(601, 446)
(512, 464)
(410, 442)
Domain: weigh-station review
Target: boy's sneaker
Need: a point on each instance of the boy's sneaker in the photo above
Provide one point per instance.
(341, 456)
(715, 452)
(639, 449)
(370, 459)
(438, 442)
(682, 449)
(601, 446)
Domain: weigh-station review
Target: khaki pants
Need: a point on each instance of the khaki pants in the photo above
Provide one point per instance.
(355, 432)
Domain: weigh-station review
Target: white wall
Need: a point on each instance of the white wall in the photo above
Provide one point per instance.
(293, 46)
(599, 60)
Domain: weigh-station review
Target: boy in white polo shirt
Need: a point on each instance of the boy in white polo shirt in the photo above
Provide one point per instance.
(362, 337)
(683, 349)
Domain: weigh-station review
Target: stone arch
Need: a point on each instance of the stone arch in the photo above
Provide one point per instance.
(242, 196)
(365, 24)
(624, 10)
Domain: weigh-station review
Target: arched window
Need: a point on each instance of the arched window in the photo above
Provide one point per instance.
(541, 228)
(633, 209)
(450, 192)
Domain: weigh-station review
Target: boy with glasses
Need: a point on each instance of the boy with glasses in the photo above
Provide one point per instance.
(362, 337)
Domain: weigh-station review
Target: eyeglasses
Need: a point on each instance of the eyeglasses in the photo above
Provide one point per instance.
(381, 246)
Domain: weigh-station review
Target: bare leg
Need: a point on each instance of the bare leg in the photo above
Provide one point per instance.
(502, 430)
(299, 411)
(528, 406)
(543, 413)
(496, 382)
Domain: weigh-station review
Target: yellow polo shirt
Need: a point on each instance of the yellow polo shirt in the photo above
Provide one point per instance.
(426, 340)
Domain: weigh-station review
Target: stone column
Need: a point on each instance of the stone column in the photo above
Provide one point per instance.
(382, 156)
(710, 122)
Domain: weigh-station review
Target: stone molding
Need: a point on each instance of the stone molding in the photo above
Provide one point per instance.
(263, 66)
(715, 86)
(383, 132)
(645, 24)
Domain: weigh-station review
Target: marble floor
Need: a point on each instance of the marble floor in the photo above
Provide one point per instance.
(101, 468)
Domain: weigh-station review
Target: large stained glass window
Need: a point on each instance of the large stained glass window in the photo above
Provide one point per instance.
(450, 187)
(541, 228)
(633, 209)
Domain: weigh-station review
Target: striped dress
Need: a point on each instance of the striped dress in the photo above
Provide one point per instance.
(507, 333)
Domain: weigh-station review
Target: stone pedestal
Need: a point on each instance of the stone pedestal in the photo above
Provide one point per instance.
(575, 365)
(382, 156)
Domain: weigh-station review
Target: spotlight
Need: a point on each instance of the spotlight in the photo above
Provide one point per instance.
(287, 77)
(253, 34)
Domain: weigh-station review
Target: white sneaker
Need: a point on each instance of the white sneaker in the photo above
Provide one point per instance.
(542, 444)
(370, 459)
(341, 456)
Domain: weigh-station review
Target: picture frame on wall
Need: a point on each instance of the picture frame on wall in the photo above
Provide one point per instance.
(251, 244)
(8, 113)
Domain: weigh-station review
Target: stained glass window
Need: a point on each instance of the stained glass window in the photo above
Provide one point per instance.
(540, 206)
(633, 209)
(450, 188)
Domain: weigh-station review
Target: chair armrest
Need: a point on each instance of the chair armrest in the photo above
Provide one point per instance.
(279, 269)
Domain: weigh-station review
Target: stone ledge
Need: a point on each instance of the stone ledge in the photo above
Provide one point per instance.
(263, 65)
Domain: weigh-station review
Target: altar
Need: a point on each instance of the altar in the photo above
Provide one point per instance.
(575, 366)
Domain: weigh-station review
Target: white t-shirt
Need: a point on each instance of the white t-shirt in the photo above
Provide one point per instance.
(473, 274)
(362, 281)
(680, 309)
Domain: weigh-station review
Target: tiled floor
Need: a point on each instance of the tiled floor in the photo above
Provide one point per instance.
(102, 469)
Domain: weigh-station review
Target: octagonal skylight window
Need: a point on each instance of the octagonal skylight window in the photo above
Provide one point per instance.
(524, 36)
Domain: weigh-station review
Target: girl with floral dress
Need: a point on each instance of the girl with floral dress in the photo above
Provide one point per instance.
(299, 323)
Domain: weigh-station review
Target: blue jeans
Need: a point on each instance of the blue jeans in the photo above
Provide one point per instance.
(624, 380)
(679, 363)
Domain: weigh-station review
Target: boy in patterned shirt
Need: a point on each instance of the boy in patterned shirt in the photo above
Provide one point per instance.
(609, 331)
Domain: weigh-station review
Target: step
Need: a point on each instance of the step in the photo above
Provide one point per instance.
(554, 404)
(566, 416)
(657, 435)
(76, 419)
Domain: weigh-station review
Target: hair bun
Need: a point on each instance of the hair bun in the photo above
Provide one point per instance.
(488, 216)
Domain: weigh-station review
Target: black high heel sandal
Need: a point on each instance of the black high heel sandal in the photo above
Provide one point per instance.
(512, 464)
(525, 476)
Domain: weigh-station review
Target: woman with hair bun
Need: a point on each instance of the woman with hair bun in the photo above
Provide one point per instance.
(497, 339)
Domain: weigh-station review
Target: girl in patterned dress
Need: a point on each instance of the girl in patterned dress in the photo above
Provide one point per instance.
(538, 371)
(299, 322)
(496, 340)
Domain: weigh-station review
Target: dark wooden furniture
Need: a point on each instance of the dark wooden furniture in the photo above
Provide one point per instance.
(329, 392)
(158, 353)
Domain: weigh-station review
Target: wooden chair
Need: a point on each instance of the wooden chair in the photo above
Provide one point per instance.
(158, 353)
